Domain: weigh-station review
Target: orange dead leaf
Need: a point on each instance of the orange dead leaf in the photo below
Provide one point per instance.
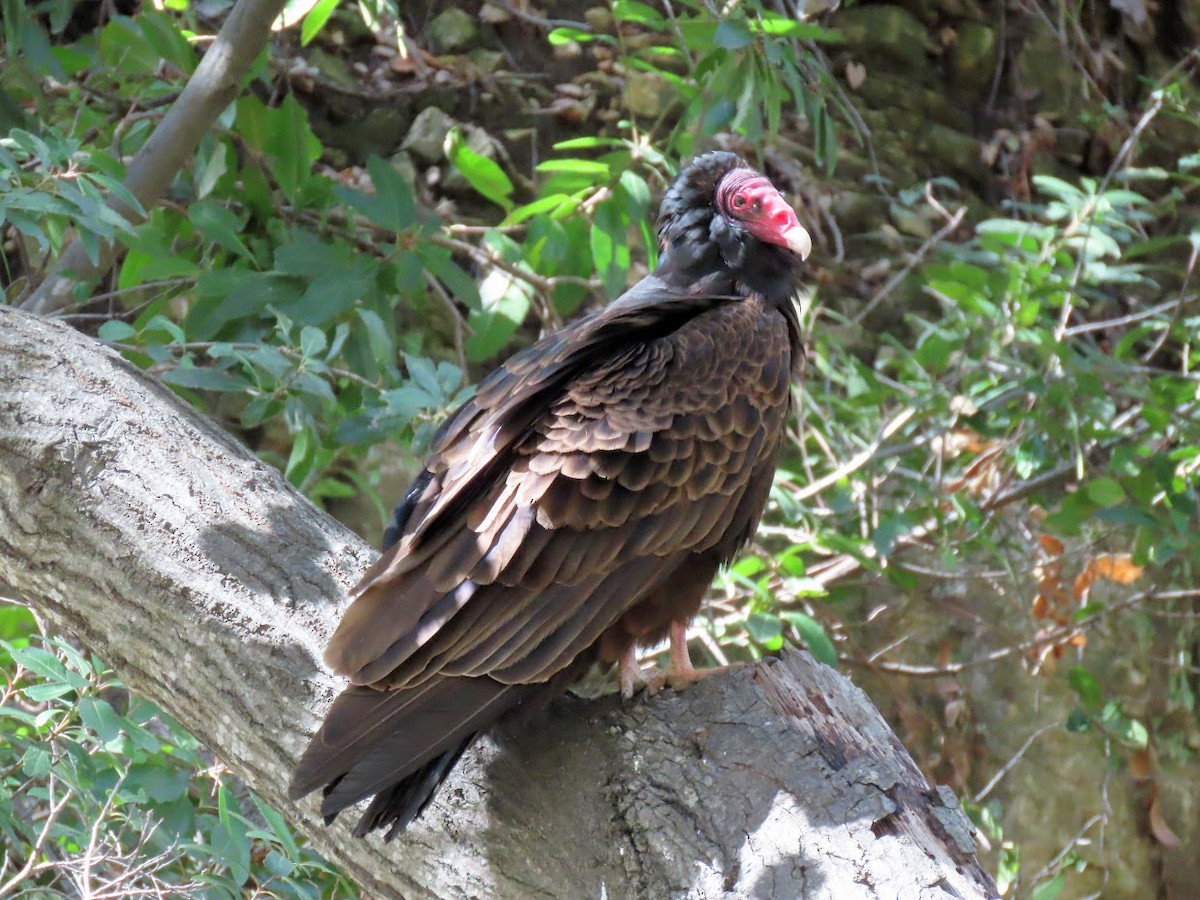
(959, 440)
(1051, 586)
(1142, 764)
(1115, 567)
(945, 653)
(1079, 639)
(1051, 545)
(988, 457)
(1041, 607)
(1158, 825)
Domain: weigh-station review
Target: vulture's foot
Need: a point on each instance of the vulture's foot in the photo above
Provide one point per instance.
(680, 673)
(631, 677)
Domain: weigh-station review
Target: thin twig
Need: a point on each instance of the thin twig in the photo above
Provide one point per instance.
(1016, 757)
(1048, 638)
(36, 850)
(540, 21)
(859, 459)
(913, 260)
(208, 345)
(543, 284)
(460, 324)
(1130, 319)
(1179, 304)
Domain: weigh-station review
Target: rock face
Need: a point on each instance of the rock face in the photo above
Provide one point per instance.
(451, 31)
(427, 135)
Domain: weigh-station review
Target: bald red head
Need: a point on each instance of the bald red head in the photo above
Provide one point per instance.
(751, 200)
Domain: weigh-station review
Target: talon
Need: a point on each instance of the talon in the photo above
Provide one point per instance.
(631, 674)
(680, 673)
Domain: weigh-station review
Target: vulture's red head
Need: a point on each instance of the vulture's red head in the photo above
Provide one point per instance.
(720, 214)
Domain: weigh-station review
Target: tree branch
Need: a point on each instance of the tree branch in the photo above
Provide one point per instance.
(211, 88)
(211, 586)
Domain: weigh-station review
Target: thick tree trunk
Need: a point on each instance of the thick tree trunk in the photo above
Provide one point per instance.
(211, 585)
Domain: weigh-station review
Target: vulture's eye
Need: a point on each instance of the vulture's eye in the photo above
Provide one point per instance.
(739, 201)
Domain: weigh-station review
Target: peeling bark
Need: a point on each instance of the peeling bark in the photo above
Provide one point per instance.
(211, 585)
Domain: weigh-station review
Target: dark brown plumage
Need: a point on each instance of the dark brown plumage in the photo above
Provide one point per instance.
(578, 506)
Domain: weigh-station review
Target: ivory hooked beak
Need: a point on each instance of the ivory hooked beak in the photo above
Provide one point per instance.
(798, 241)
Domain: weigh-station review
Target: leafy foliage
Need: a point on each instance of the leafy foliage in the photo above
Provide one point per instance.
(104, 795)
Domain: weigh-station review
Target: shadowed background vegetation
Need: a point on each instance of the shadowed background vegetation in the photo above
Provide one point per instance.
(987, 514)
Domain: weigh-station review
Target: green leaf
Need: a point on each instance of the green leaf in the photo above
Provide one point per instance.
(168, 41)
(219, 225)
(1105, 492)
(332, 294)
(397, 208)
(212, 170)
(813, 635)
(312, 341)
(162, 783)
(291, 144)
(1049, 890)
(36, 762)
(481, 173)
(16, 622)
(587, 167)
(1078, 721)
(116, 331)
(610, 246)
(1084, 683)
(547, 204)
(440, 263)
(889, 531)
(779, 26)
(379, 341)
(505, 302)
(567, 34)
(1056, 187)
(934, 351)
(205, 379)
(587, 143)
(733, 34)
(638, 13)
(277, 825)
(316, 19)
(1013, 231)
(47, 691)
(765, 628)
(100, 717)
(46, 664)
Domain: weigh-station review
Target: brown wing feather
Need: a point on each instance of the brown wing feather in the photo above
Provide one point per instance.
(541, 540)
(557, 522)
(581, 500)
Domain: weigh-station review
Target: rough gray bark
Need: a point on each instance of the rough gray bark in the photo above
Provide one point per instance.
(211, 585)
(211, 88)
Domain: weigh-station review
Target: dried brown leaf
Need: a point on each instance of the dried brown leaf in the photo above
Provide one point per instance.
(856, 74)
(1158, 824)
(1051, 545)
(1115, 567)
(1142, 764)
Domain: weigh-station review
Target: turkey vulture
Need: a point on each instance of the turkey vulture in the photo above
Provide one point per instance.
(577, 506)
